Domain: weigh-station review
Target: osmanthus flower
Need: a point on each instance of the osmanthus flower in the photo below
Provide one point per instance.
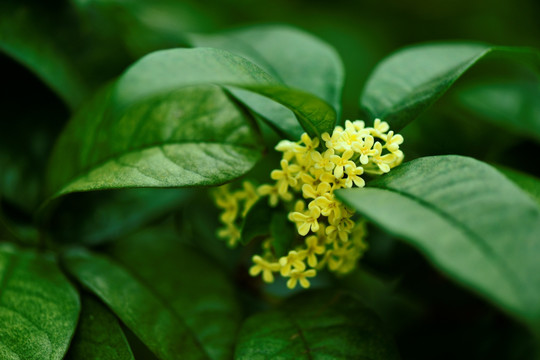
(266, 267)
(328, 234)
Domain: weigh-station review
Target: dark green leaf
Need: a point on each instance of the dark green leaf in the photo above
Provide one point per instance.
(283, 232)
(316, 325)
(512, 105)
(469, 220)
(188, 137)
(38, 306)
(294, 57)
(256, 222)
(410, 80)
(98, 336)
(176, 301)
(527, 183)
(23, 37)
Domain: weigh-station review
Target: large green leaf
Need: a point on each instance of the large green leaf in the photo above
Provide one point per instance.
(38, 306)
(316, 325)
(188, 137)
(98, 336)
(166, 70)
(175, 300)
(296, 58)
(410, 80)
(512, 105)
(469, 220)
(159, 127)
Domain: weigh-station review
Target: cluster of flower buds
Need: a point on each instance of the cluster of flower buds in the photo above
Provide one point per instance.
(310, 171)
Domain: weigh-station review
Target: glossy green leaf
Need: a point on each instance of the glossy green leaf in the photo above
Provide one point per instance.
(296, 58)
(407, 82)
(316, 325)
(22, 37)
(99, 335)
(175, 300)
(256, 222)
(469, 220)
(188, 137)
(38, 306)
(512, 105)
(156, 128)
(527, 183)
(165, 70)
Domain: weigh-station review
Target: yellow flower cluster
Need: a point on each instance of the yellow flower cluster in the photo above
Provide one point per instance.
(310, 171)
(231, 202)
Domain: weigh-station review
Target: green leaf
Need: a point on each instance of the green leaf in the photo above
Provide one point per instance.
(316, 325)
(159, 127)
(527, 183)
(175, 300)
(188, 137)
(255, 223)
(98, 336)
(406, 83)
(512, 105)
(109, 215)
(38, 306)
(296, 58)
(283, 232)
(165, 70)
(469, 220)
(23, 36)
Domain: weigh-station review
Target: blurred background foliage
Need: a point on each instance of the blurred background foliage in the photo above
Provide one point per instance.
(86, 43)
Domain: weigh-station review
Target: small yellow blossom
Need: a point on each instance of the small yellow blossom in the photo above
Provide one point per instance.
(353, 176)
(341, 162)
(383, 161)
(329, 205)
(293, 259)
(323, 161)
(273, 194)
(365, 149)
(310, 192)
(379, 127)
(266, 267)
(313, 249)
(285, 176)
(231, 233)
(393, 142)
(306, 221)
(229, 204)
(249, 195)
(298, 275)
